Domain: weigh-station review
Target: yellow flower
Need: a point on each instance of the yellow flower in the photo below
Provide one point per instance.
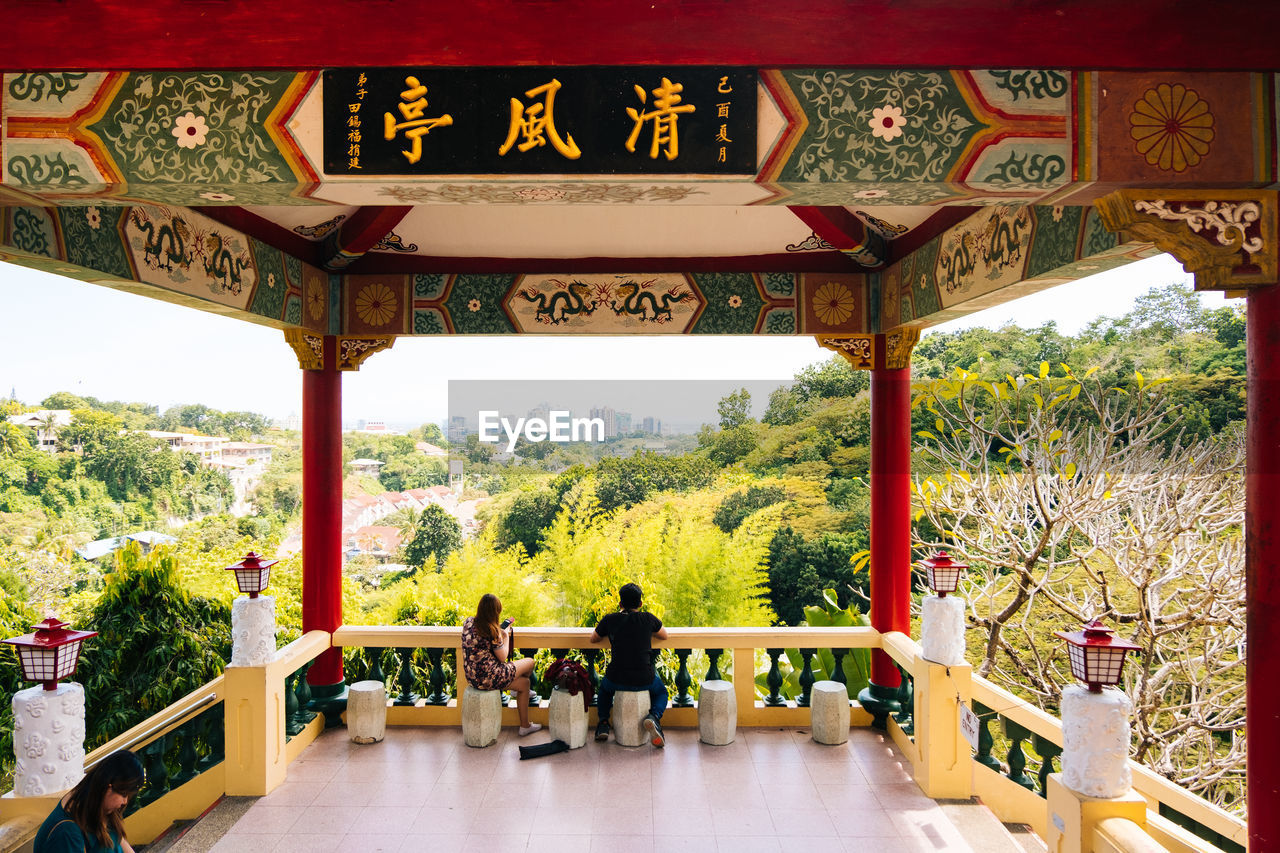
(833, 303)
(315, 299)
(1172, 126)
(375, 304)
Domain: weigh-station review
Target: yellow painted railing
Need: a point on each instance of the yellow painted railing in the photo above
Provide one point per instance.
(739, 644)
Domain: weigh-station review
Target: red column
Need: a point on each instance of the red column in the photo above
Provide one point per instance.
(890, 507)
(322, 509)
(1262, 545)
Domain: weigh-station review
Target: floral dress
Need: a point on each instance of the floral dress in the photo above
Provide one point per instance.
(483, 669)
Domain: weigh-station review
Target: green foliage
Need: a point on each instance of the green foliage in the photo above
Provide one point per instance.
(734, 509)
(804, 571)
(435, 534)
(156, 643)
(855, 664)
(735, 409)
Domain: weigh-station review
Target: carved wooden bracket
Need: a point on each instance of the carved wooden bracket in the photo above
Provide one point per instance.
(352, 350)
(1227, 238)
(898, 345)
(858, 350)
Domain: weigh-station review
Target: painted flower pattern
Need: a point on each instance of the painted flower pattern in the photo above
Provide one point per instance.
(540, 194)
(735, 301)
(887, 122)
(190, 130)
(212, 196)
(833, 303)
(473, 306)
(315, 301)
(94, 217)
(376, 304)
(1172, 127)
(271, 280)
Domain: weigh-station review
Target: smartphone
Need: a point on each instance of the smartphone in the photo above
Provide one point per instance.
(506, 623)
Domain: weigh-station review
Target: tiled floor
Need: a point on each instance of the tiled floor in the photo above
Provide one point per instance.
(770, 790)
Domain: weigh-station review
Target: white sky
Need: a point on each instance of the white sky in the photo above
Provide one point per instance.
(64, 335)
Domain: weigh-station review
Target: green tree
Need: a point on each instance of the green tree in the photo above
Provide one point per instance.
(89, 430)
(734, 409)
(64, 400)
(435, 533)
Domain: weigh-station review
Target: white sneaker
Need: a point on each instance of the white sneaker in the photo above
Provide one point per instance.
(529, 729)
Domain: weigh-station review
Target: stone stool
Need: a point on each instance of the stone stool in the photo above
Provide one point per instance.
(627, 717)
(717, 713)
(481, 716)
(367, 711)
(829, 712)
(567, 719)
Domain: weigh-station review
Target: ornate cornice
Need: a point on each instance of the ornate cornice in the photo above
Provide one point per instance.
(1227, 238)
(858, 350)
(352, 350)
(307, 346)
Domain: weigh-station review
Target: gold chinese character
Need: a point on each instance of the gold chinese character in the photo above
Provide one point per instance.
(360, 93)
(353, 136)
(361, 80)
(354, 163)
(415, 102)
(355, 108)
(539, 119)
(354, 121)
(721, 158)
(353, 150)
(724, 88)
(723, 135)
(722, 110)
(664, 116)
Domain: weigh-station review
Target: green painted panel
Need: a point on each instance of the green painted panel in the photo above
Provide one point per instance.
(732, 303)
(92, 237)
(475, 304)
(1053, 241)
(268, 297)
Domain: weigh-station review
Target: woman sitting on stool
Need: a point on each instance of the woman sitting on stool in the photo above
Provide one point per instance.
(486, 645)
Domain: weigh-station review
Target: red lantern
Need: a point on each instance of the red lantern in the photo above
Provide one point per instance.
(50, 652)
(944, 575)
(253, 574)
(1096, 656)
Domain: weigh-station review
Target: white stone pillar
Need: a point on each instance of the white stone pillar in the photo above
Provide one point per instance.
(253, 631)
(942, 629)
(567, 718)
(1095, 742)
(48, 739)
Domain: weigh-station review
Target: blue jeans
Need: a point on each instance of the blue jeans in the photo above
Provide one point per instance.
(604, 698)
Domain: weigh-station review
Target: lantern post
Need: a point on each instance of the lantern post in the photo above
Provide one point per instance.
(48, 720)
(253, 616)
(942, 618)
(1095, 782)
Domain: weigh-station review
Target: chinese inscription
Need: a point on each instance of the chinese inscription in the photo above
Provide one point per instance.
(531, 121)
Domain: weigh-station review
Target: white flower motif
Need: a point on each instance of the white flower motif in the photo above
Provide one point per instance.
(871, 193)
(36, 708)
(735, 300)
(94, 217)
(190, 130)
(212, 196)
(887, 122)
(473, 305)
(1057, 212)
(33, 745)
(271, 280)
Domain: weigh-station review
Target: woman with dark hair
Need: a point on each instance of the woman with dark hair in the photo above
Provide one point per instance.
(486, 644)
(87, 819)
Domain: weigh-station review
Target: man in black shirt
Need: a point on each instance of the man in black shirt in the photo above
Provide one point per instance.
(630, 632)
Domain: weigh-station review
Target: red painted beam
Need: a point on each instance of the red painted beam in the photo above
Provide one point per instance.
(248, 222)
(385, 263)
(361, 232)
(1262, 580)
(181, 34)
(834, 224)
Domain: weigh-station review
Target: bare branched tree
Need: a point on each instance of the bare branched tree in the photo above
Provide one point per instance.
(1073, 500)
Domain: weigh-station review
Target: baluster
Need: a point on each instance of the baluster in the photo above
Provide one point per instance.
(806, 677)
(683, 681)
(407, 696)
(838, 674)
(1047, 750)
(774, 680)
(438, 695)
(292, 718)
(375, 666)
(535, 696)
(1017, 758)
(985, 741)
(305, 714)
(214, 734)
(906, 702)
(591, 655)
(713, 669)
(157, 774)
(187, 755)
